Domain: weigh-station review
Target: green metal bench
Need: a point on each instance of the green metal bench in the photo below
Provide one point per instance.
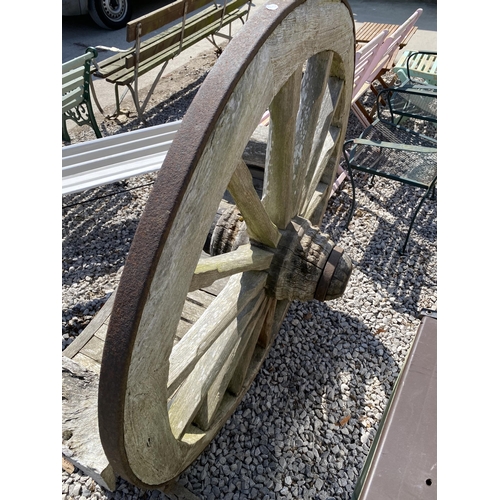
(187, 22)
(76, 103)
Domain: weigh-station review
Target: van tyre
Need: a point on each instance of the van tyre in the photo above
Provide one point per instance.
(110, 14)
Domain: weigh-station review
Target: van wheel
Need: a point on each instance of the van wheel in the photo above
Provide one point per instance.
(110, 14)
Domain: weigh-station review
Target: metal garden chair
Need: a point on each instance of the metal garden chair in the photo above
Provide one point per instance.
(405, 154)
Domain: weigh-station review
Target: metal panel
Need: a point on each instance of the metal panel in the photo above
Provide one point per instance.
(402, 463)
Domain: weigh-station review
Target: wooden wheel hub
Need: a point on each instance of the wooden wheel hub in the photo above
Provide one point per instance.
(306, 264)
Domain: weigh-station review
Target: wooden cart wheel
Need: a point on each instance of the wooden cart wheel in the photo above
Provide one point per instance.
(161, 400)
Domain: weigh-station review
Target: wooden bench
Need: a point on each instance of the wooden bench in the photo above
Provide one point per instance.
(76, 103)
(187, 22)
(414, 67)
(402, 462)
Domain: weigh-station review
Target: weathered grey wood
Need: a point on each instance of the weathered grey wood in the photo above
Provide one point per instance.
(313, 88)
(311, 249)
(321, 147)
(87, 362)
(159, 442)
(255, 150)
(248, 334)
(245, 258)
(81, 442)
(216, 287)
(240, 290)
(93, 349)
(262, 327)
(278, 195)
(175, 491)
(189, 397)
(319, 194)
(97, 321)
(229, 231)
(330, 142)
(200, 297)
(343, 69)
(80, 431)
(182, 328)
(259, 225)
(191, 312)
(101, 331)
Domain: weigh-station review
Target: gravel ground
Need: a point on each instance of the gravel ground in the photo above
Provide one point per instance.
(304, 428)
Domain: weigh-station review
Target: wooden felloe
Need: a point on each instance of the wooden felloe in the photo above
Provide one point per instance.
(175, 365)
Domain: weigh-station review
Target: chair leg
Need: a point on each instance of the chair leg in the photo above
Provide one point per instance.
(94, 95)
(414, 216)
(65, 135)
(351, 177)
(353, 202)
(118, 100)
(362, 114)
(92, 120)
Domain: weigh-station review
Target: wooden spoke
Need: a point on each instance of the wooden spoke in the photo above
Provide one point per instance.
(236, 295)
(244, 258)
(321, 149)
(277, 192)
(237, 363)
(314, 83)
(260, 227)
(193, 391)
(262, 336)
(321, 162)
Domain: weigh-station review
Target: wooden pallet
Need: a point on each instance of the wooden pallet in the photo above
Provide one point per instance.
(81, 366)
(86, 349)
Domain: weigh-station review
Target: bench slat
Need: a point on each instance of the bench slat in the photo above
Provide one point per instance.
(75, 92)
(72, 99)
(98, 146)
(76, 62)
(163, 16)
(115, 63)
(172, 36)
(71, 88)
(207, 20)
(110, 159)
(73, 78)
(109, 68)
